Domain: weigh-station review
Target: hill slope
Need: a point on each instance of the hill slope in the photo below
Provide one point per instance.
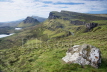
(40, 48)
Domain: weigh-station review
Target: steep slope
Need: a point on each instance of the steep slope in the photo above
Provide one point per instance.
(29, 21)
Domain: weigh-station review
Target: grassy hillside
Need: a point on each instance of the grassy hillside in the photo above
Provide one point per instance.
(22, 24)
(6, 30)
(41, 48)
(45, 56)
(100, 15)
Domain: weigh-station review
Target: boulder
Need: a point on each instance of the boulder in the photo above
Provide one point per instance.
(83, 55)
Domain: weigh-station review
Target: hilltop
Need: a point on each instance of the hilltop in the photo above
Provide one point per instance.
(41, 47)
(29, 21)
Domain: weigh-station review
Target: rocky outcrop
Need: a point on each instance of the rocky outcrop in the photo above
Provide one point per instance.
(77, 22)
(54, 15)
(30, 20)
(84, 55)
(90, 26)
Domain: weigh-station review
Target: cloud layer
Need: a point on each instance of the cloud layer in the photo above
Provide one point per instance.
(16, 9)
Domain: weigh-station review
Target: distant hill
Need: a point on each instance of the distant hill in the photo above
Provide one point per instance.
(40, 19)
(11, 23)
(100, 15)
(15, 23)
(29, 21)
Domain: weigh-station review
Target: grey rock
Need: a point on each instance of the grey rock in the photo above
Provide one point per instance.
(90, 26)
(77, 22)
(84, 55)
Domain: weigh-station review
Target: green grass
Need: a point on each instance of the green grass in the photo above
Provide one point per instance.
(23, 25)
(101, 21)
(41, 52)
(47, 56)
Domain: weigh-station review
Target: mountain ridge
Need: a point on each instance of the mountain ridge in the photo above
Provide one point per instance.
(15, 23)
(67, 15)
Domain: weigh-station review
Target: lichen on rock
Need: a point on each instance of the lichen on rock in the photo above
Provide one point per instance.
(84, 55)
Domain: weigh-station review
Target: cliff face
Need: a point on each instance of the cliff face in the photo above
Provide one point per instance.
(77, 22)
(54, 15)
(67, 15)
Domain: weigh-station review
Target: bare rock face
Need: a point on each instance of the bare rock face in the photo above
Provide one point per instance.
(91, 25)
(77, 22)
(84, 55)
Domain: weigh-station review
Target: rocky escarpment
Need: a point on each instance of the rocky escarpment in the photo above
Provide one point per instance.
(83, 55)
(77, 22)
(68, 15)
(54, 15)
(90, 26)
(30, 20)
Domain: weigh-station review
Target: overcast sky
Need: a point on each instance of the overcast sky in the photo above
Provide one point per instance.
(11, 10)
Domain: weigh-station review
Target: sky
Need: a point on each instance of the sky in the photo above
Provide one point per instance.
(11, 10)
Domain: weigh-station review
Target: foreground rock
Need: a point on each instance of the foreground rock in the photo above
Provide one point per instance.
(83, 55)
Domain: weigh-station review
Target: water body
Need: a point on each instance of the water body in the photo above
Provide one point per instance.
(5, 35)
(18, 28)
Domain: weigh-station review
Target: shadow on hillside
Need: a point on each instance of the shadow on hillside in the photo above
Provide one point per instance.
(103, 63)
